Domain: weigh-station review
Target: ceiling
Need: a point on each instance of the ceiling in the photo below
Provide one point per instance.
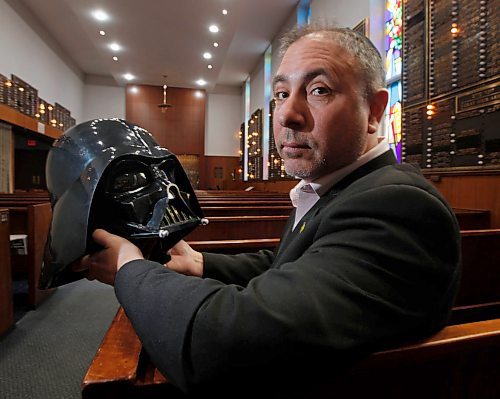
(160, 37)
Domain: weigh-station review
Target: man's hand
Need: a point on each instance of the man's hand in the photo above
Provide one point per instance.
(104, 264)
(185, 260)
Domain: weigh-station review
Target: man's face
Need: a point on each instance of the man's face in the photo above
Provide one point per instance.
(321, 117)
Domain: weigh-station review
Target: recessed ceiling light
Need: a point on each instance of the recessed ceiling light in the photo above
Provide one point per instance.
(129, 76)
(115, 58)
(115, 47)
(216, 44)
(209, 66)
(102, 33)
(224, 12)
(213, 28)
(201, 82)
(100, 15)
(207, 55)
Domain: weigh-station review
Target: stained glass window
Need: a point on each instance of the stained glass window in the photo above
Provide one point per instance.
(393, 62)
(393, 38)
(393, 117)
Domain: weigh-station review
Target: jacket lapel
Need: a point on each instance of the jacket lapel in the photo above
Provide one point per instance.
(387, 158)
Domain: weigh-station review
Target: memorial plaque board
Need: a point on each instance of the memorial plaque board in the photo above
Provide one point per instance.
(450, 64)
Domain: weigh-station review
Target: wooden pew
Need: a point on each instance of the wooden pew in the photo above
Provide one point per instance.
(479, 293)
(244, 202)
(245, 210)
(234, 246)
(239, 193)
(6, 303)
(460, 361)
(33, 220)
(242, 227)
(473, 219)
(27, 196)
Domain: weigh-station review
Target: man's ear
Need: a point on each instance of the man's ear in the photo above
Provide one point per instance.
(378, 102)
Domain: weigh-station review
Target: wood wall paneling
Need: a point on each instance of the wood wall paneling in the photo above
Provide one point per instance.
(472, 192)
(181, 128)
(219, 172)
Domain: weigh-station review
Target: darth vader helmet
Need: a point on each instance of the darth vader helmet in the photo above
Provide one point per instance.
(111, 174)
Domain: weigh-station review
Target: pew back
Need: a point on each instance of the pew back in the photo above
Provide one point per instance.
(6, 303)
(460, 361)
(34, 221)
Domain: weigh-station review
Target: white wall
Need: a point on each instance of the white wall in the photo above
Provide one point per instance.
(257, 87)
(28, 52)
(276, 58)
(26, 55)
(350, 12)
(103, 102)
(224, 116)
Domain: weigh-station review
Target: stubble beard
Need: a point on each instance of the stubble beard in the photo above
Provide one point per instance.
(307, 169)
(310, 168)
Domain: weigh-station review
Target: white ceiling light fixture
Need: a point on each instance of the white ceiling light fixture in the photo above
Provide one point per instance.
(164, 105)
(207, 55)
(115, 46)
(216, 44)
(224, 12)
(209, 66)
(213, 28)
(115, 58)
(129, 76)
(201, 82)
(102, 33)
(100, 15)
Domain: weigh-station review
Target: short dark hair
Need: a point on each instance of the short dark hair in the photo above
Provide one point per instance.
(363, 50)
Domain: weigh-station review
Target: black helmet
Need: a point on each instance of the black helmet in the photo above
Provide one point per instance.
(111, 174)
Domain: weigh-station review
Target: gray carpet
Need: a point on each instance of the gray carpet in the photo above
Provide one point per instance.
(48, 352)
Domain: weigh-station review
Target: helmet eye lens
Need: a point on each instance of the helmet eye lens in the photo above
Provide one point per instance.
(127, 176)
(129, 182)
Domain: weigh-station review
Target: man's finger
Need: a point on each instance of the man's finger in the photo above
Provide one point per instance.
(102, 237)
(81, 264)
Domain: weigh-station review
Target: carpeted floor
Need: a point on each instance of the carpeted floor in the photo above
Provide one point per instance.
(48, 352)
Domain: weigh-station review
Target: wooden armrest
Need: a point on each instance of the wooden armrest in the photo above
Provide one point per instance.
(118, 355)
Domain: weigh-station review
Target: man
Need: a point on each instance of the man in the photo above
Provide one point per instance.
(369, 258)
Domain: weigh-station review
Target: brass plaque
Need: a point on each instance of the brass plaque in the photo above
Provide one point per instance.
(487, 95)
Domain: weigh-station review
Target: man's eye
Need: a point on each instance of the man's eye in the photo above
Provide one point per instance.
(280, 95)
(320, 91)
(129, 182)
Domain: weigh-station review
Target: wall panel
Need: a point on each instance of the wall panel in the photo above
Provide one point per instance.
(181, 128)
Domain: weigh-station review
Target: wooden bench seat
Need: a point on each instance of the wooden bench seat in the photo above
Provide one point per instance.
(460, 361)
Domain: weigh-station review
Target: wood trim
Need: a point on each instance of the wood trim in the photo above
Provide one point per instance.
(14, 117)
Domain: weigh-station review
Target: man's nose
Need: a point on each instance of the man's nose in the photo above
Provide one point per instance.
(292, 113)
